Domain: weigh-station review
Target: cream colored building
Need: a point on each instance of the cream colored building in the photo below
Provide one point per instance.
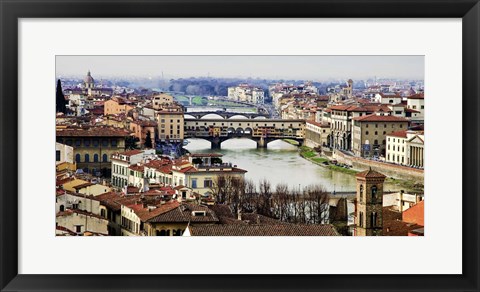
(316, 134)
(396, 147)
(406, 148)
(415, 152)
(63, 153)
(416, 102)
(121, 161)
(246, 93)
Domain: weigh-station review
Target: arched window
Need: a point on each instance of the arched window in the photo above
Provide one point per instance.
(105, 158)
(373, 219)
(162, 233)
(95, 157)
(87, 158)
(375, 142)
(77, 158)
(374, 193)
(361, 193)
(62, 208)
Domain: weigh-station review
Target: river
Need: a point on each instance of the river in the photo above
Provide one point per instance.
(279, 163)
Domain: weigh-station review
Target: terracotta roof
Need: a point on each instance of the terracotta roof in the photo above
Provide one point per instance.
(92, 132)
(131, 152)
(393, 224)
(370, 174)
(318, 124)
(262, 230)
(84, 185)
(400, 134)
(145, 214)
(378, 118)
(64, 229)
(409, 110)
(136, 167)
(183, 213)
(70, 212)
(416, 96)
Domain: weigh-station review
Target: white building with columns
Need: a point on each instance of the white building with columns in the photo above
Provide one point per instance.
(406, 148)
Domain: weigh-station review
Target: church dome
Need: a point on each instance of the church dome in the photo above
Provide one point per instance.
(88, 78)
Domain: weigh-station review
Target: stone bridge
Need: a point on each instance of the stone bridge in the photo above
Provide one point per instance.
(227, 115)
(262, 131)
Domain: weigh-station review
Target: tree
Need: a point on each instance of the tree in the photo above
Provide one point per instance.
(131, 142)
(148, 140)
(60, 99)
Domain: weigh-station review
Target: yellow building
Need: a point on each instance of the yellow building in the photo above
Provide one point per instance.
(370, 133)
(161, 100)
(93, 146)
(170, 124)
(117, 105)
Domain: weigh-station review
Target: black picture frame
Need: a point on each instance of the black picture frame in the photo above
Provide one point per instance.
(11, 11)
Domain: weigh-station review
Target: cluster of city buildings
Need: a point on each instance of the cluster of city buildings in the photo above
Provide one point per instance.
(246, 93)
(381, 125)
(113, 176)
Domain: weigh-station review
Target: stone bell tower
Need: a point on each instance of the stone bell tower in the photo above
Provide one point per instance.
(368, 207)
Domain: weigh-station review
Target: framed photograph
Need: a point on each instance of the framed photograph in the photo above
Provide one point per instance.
(207, 145)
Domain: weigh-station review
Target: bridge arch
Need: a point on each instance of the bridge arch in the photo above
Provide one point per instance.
(212, 116)
(239, 131)
(237, 117)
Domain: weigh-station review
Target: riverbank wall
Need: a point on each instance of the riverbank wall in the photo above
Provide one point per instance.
(390, 170)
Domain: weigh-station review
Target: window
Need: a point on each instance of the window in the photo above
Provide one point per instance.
(77, 158)
(95, 157)
(360, 219)
(376, 133)
(104, 143)
(113, 143)
(57, 155)
(366, 133)
(373, 219)
(78, 143)
(105, 158)
(102, 213)
(361, 193)
(376, 125)
(86, 143)
(194, 183)
(87, 158)
(422, 106)
(78, 228)
(207, 183)
(401, 126)
(95, 143)
(374, 193)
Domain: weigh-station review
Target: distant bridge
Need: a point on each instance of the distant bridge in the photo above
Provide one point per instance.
(262, 131)
(227, 115)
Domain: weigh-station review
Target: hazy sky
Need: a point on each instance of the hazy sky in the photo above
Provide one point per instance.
(278, 67)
